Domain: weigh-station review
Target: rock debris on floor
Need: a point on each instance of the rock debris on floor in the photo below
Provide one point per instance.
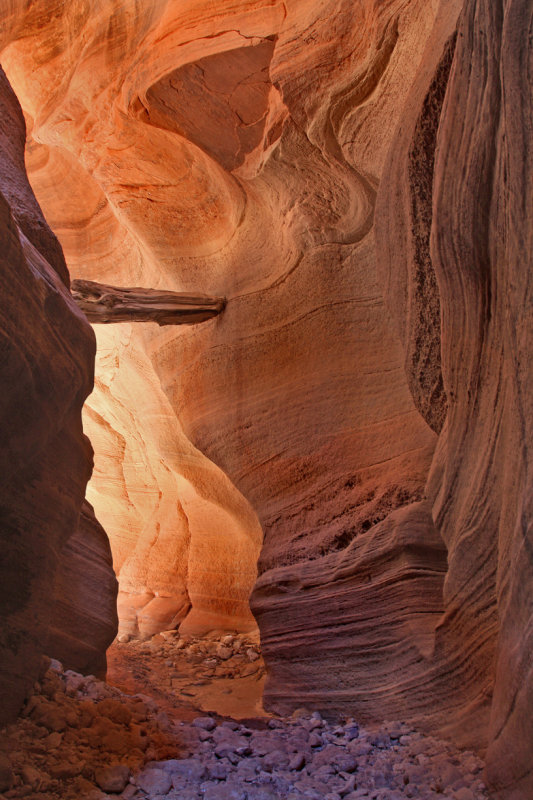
(81, 739)
(223, 673)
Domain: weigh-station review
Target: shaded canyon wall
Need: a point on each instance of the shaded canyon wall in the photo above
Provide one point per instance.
(49, 551)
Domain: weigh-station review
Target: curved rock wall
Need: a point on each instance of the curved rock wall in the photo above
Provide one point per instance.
(297, 391)
(478, 238)
(83, 621)
(185, 542)
(359, 334)
(46, 370)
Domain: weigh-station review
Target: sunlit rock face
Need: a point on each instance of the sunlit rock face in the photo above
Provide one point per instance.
(46, 370)
(185, 542)
(364, 390)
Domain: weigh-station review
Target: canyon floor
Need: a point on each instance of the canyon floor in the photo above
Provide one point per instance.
(181, 719)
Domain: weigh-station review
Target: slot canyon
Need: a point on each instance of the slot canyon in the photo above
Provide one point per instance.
(267, 413)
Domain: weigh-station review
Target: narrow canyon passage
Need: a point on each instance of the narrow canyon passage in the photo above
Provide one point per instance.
(285, 549)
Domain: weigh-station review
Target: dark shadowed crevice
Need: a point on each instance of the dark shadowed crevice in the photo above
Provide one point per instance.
(423, 356)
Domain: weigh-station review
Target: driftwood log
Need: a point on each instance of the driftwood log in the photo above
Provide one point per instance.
(106, 304)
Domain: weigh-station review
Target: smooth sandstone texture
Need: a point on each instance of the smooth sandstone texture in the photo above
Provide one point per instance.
(46, 369)
(185, 542)
(296, 391)
(83, 622)
(356, 333)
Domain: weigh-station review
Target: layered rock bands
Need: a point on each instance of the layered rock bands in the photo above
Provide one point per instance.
(355, 179)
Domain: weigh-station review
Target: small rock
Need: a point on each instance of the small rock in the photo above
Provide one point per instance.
(123, 638)
(297, 762)
(224, 791)
(129, 792)
(223, 652)
(380, 740)
(464, 794)
(275, 759)
(113, 778)
(87, 790)
(54, 741)
(170, 635)
(351, 731)
(220, 770)
(154, 781)
(206, 723)
(300, 713)
(189, 768)
(66, 769)
(251, 655)
(6, 774)
(115, 711)
(31, 777)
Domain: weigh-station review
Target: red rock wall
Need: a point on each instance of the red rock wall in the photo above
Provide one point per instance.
(481, 478)
(46, 368)
(84, 621)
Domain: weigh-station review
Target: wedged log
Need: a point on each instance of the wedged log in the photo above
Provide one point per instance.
(102, 303)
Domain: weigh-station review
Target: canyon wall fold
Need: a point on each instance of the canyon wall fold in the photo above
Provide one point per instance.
(354, 178)
(477, 260)
(46, 368)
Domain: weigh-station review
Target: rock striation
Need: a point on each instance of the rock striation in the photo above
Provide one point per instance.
(46, 368)
(353, 178)
(83, 621)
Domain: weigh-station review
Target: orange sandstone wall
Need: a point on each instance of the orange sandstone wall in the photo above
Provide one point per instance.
(225, 154)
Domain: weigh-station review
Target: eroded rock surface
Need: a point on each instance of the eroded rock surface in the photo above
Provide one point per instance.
(297, 391)
(46, 370)
(83, 621)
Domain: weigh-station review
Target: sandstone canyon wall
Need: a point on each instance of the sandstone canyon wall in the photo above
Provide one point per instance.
(46, 368)
(354, 179)
(474, 269)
